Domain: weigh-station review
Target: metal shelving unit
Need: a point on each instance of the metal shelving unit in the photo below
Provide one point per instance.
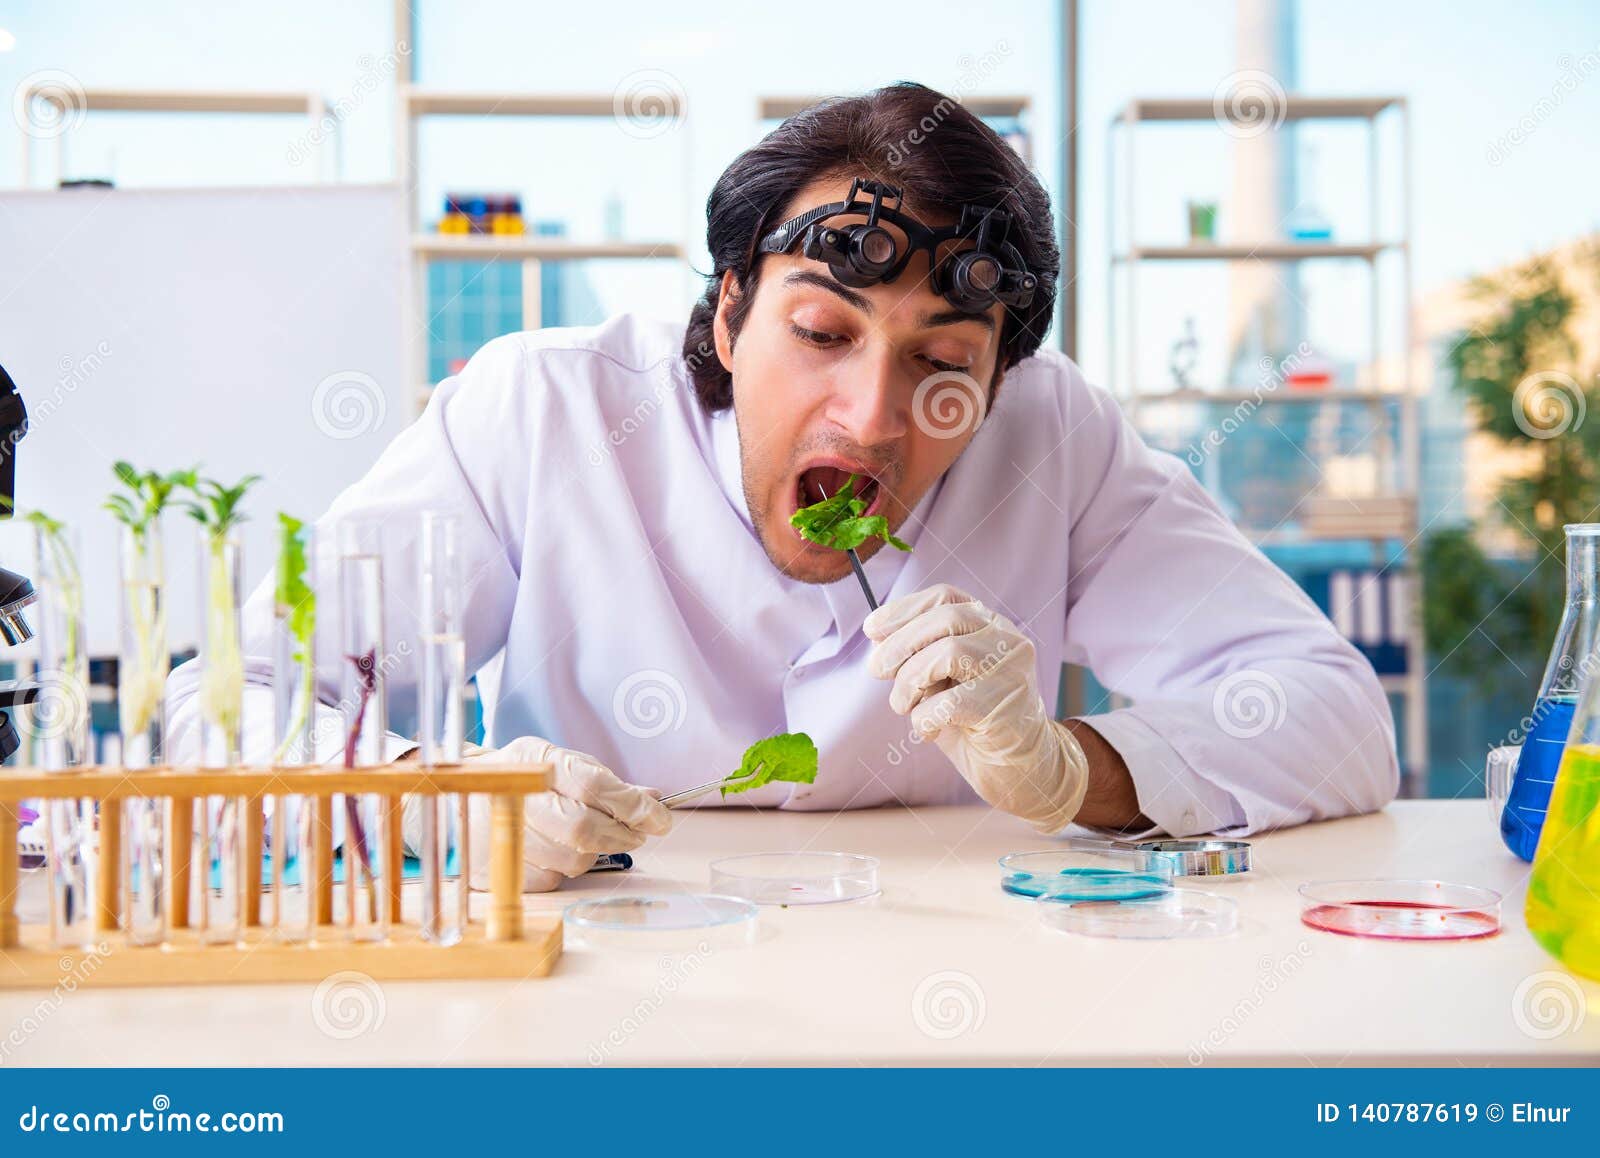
(1394, 515)
(121, 100)
(531, 251)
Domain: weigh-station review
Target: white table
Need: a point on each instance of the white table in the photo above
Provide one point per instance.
(840, 984)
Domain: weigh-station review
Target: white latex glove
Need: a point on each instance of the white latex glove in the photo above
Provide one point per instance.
(587, 811)
(966, 677)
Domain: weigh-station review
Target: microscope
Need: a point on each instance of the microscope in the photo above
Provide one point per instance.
(16, 591)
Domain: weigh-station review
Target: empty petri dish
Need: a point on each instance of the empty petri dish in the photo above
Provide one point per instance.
(662, 920)
(796, 878)
(1179, 913)
(1401, 910)
(1086, 871)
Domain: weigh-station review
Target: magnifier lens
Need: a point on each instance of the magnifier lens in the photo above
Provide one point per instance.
(983, 274)
(877, 247)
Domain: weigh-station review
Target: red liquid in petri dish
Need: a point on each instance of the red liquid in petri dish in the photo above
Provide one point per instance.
(1402, 921)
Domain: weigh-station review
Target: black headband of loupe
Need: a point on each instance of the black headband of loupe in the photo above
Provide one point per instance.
(866, 253)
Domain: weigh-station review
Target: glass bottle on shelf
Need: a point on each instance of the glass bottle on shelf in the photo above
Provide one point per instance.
(1570, 658)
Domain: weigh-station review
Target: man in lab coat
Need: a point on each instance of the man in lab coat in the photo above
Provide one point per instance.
(624, 495)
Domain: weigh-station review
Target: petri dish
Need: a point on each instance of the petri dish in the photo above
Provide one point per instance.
(796, 878)
(1203, 858)
(1086, 871)
(662, 920)
(1401, 910)
(1181, 913)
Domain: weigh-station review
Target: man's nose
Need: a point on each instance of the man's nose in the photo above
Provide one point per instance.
(868, 401)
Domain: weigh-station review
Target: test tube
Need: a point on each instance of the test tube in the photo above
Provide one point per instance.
(444, 677)
(218, 867)
(60, 724)
(142, 665)
(294, 685)
(363, 660)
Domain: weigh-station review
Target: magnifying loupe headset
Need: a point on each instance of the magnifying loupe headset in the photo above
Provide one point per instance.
(865, 253)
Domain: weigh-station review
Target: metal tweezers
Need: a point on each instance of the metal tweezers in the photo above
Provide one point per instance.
(674, 799)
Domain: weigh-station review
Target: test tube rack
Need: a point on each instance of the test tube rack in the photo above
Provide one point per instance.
(507, 944)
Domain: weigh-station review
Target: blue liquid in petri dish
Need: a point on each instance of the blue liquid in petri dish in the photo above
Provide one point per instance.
(1523, 817)
(1087, 884)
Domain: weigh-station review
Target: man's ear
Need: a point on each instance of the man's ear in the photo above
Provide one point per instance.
(727, 298)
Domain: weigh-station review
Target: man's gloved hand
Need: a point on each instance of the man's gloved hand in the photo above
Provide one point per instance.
(587, 811)
(966, 676)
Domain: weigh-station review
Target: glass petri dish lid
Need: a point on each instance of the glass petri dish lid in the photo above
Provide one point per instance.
(662, 920)
(1401, 910)
(1086, 871)
(796, 878)
(1181, 913)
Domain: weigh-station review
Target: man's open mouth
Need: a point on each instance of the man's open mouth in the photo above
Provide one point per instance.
(824, 479)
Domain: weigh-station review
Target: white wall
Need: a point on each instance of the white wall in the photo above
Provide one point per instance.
(176, 327)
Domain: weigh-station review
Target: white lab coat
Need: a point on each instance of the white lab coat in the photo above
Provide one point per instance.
(610, 556)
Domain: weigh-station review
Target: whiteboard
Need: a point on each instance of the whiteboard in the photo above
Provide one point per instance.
(248, 330)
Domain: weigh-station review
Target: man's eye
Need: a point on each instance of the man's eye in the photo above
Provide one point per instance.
(814, 337)
(947, 367)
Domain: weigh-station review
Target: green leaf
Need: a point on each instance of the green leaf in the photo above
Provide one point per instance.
(218, 506)
(293, 593)
(837, 521)
(789, 756)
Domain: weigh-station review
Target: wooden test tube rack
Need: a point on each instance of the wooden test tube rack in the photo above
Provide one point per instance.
(507, 945)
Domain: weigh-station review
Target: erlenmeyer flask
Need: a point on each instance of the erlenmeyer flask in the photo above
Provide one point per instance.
(1570, 661)
(1563, 906)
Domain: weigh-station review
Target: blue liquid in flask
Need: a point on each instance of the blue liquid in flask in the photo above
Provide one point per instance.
(1523, 817)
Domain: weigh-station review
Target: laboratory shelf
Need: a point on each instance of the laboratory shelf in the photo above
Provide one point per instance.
(419, 102)
(1383, 520)
(1284, 394)
(1258, 251)
(1293, 108)
(525, 247)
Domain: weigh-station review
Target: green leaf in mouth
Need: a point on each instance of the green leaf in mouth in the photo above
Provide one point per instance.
(838, 522)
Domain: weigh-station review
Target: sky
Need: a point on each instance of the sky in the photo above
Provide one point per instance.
(1473, 72)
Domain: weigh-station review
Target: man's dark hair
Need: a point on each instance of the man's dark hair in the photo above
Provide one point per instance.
(938, 153)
